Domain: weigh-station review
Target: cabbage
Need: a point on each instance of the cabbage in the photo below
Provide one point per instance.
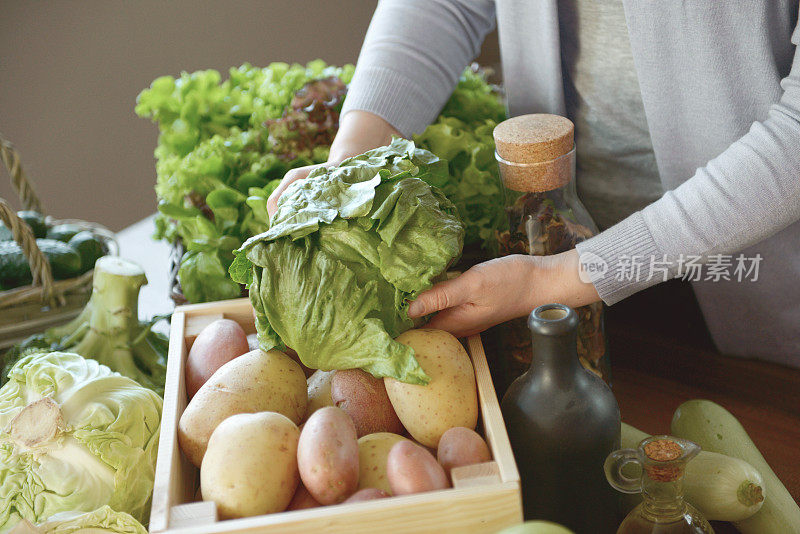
(75, 437)
(348, 248)
(100, 521)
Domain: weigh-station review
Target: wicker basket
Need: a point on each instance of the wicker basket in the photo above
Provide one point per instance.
(46, 302)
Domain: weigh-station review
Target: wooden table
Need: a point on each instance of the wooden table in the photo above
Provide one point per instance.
(661, 356)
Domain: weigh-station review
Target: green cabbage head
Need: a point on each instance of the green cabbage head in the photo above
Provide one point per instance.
(74, 436)
(101, 521)
(346, 250)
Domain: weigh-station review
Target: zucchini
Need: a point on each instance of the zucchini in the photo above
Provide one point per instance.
(715, 429)
(722, 487)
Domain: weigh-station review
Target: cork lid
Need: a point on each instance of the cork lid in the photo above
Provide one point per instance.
(534, 138)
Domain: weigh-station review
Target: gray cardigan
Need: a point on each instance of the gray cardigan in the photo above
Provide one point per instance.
(720, 83)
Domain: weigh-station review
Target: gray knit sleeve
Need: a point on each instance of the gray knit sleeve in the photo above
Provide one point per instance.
(412, 56)
(746, 194)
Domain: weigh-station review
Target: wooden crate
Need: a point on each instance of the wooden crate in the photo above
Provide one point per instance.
(485, 497)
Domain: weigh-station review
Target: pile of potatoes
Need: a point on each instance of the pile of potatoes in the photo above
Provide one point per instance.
(267, 438)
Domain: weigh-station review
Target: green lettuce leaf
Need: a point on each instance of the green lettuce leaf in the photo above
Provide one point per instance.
(204, 278)
(101, 449)
(347, 250)
(474, 180)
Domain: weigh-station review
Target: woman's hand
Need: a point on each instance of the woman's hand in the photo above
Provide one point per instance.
(501, 289)
(359, 131)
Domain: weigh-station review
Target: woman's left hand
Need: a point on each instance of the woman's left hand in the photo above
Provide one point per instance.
(501, 289)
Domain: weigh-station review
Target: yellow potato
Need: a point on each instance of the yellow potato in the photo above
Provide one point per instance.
(254, 382)
(319, 391)
(373, 450)
(250, 467)
(449, 399)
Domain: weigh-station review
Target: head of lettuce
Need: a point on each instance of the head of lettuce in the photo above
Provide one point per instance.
(346, 250)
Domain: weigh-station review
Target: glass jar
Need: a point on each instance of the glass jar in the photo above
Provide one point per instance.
(662, 463)
(536, 157)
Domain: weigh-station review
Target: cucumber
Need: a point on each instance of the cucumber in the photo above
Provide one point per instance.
(715, 429)
(89, 246)
(63, 232)
(722, 487)
(35, 220)
(65, 262)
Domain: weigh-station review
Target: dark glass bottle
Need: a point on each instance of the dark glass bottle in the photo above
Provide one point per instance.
(563, 421)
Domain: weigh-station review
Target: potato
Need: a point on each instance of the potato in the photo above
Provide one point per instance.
(250, 467)
(254, 382)
(363, 397)
(462, 446)
(367, 494)
(412, 469)
(302, 499)
(217, 344)
(319, 391)
(373, 451)
(327, 455)
(449, 399)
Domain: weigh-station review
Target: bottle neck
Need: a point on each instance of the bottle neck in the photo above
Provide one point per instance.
(663, 500)
(556, 355)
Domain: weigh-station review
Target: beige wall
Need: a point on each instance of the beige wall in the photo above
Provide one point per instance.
(70, 72)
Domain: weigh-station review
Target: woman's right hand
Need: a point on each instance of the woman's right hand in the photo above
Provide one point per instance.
(359, 131)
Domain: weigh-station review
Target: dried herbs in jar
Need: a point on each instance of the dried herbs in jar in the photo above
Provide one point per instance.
(536, 155)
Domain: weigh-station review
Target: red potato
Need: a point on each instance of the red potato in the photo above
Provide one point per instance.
(217, 344)
(363, 397)
(367, 494)
(462, 446)
(327, 455)
(410, 468)
(302, 499)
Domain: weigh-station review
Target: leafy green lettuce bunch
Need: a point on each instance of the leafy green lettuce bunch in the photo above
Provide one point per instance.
(218, 161)
(463, 136)
(224, 145)
(348, 248)
(74, 436)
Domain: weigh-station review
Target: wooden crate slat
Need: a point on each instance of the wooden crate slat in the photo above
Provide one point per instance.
(462, 511)
(493, 425)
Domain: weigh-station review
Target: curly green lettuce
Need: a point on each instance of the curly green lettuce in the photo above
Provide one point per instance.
(348, 248)
(224, 145)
